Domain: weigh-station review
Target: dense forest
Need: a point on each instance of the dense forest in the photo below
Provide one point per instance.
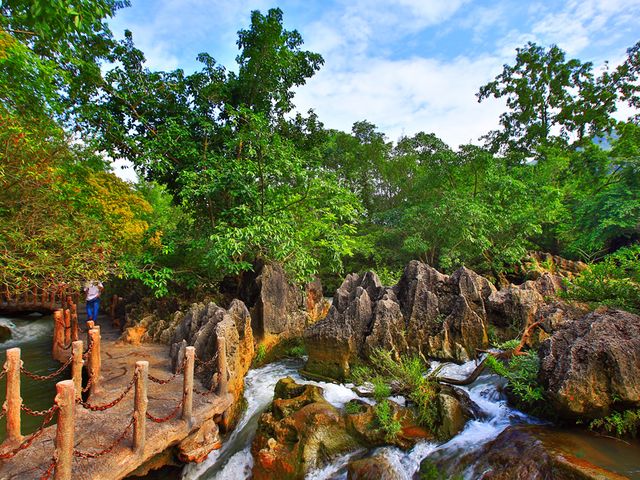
(231, 174)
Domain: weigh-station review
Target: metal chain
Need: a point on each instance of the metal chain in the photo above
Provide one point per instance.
(106, 406)
(88, 350)
(168, 417)
(47, 377)
(27, 443)
(67, 347)
(89, 384)
(4, 372)
(202, 363)
(109, 449)
(47, 474)
(4, 411)
(164, 382)
(37, 413)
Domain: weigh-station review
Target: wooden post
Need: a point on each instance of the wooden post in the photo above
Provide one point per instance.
(222, 365)
(76, 367)
(74, 322)
(65, 399)
(95, 360)
(58, 335)
(187, 385)
(14, 400)
(67, 327)
(140, 407)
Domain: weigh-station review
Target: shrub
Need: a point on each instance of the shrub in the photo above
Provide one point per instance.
(386, 421)
(261, 353)
(614, 282)
(622, 424)
(381, 389)
(352, 408)
(296, 351)
(509, 344)
(521, 372)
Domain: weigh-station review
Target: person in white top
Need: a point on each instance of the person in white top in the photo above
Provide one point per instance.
(93, 290)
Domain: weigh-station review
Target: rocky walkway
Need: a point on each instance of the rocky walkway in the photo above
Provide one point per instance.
(98, 453)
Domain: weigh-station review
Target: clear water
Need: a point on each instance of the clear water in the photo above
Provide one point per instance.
(33, 335)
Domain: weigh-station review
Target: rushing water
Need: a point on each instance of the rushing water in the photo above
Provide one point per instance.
(234, 461)
(33, 335)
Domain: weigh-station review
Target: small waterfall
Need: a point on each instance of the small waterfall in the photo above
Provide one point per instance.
(234, 461)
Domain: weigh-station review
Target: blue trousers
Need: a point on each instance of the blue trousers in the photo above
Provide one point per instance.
(92, 308)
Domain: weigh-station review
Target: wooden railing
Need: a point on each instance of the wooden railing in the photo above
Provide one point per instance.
(69, 396)
(46, 299)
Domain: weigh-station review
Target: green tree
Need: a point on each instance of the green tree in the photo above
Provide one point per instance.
(549, 98)
(50, 52)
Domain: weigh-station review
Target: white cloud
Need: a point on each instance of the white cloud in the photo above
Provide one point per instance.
(407, 96)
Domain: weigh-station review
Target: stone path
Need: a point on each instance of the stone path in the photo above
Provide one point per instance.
(95, 431)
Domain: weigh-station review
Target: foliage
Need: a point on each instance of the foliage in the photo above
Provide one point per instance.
(50, 53)
(521, 373)
(249, 177)
(430, 471)
(615, 281)
(622, 424)
(404, 376)
(509, 344)
(387, 421)
(65, 217)
(297, 351)
(261, 353)
(353, 408)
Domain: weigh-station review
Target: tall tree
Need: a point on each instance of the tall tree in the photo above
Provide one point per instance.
(549, 99)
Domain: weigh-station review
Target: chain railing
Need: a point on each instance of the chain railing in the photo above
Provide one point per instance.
(107, 450)
(69, 394)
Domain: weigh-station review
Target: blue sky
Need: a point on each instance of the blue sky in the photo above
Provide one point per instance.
(404, 65)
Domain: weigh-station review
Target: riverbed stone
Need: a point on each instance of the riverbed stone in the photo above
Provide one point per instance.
(375, 467)
(536, 453)
(591, 365)
(300, 431)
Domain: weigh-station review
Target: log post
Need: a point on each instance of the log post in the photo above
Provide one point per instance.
(76, 367)
(14, 400)
(222, 365)
(140, 407)
(74, 322)
(95, 361)
(187, 386)
(58, 335)
(67, 327)
(65, 399)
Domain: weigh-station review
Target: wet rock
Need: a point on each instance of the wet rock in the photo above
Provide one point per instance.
(455, 408)
(592, 363)
(198, 445)
(201, 326)
(363, 426)
(5, 333)
(299, 432)
(525, 452)
(376, 467)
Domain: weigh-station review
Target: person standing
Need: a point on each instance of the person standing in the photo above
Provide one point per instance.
(93, 290)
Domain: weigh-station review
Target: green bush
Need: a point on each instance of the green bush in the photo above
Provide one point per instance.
(614, 282)
(296, 351)
(261, 353)
(509, 344)
(386, 420)
(521, 373)
(622, 424)
(353, 408)
(381, 389)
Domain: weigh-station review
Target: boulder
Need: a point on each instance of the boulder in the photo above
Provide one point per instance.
(200, 327)
(5, 333)
(592, 364)
(426, 313)
(299, 432)
(538, 453)
(198, 445)
(376, 467)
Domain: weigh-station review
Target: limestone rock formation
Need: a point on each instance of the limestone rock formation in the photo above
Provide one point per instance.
(592, 363)
(427, 314)
(201, 327)
(299, 432)
(316, 305)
